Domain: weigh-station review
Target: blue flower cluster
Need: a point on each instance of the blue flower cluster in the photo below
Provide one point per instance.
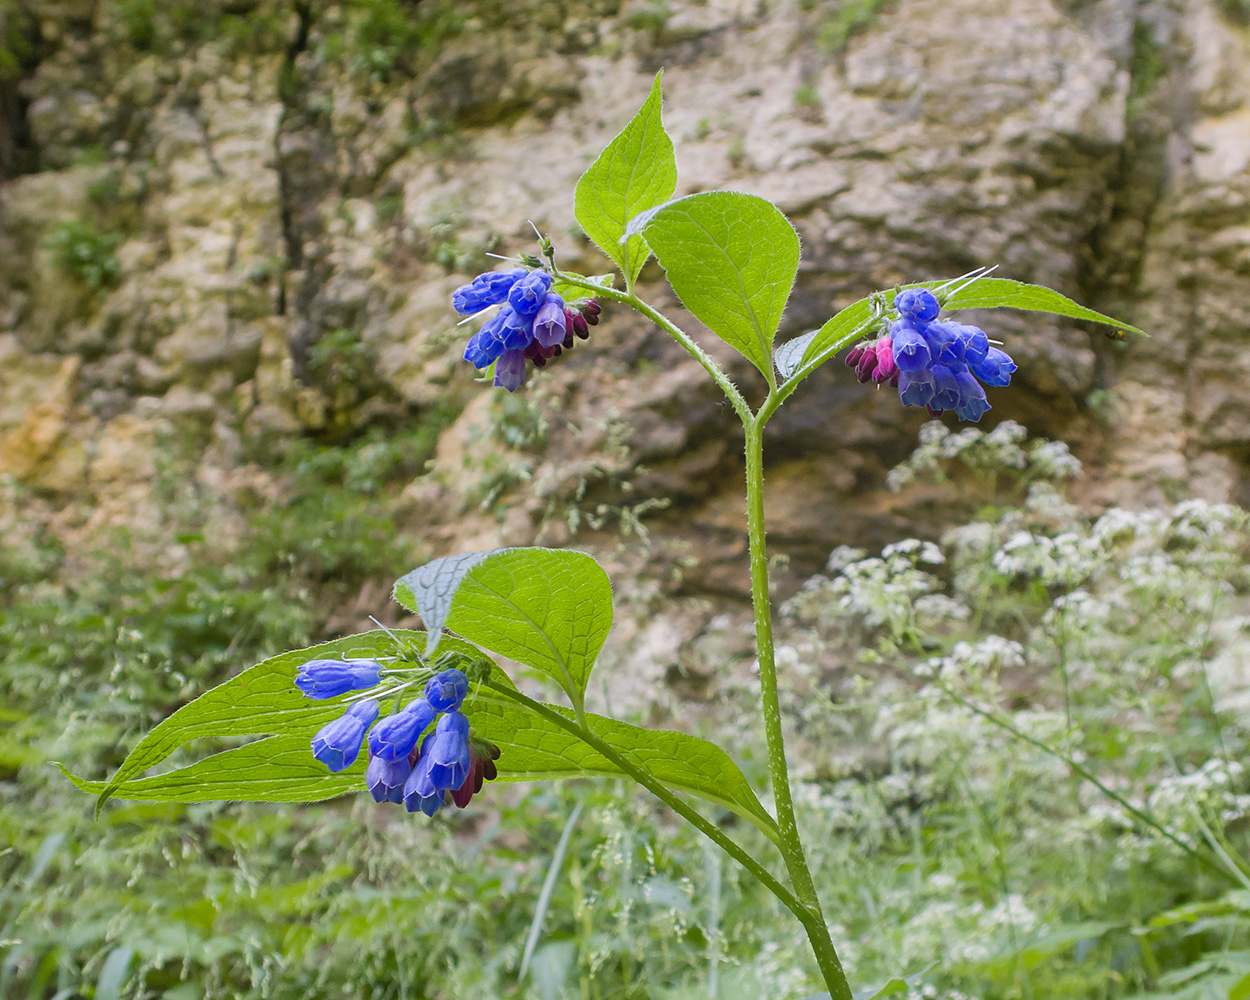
(447, 765)
(533, 322)
(934, 363)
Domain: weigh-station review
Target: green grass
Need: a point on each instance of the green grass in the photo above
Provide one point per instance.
(942, 843)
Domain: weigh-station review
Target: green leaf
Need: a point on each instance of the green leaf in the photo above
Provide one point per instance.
(275, 769)
(113, 973)
(575, 293)
(855, 320)
(636, 171)
(549, 609)
(281, 768)
(535, 749)
(260, 701)
(1003, 293)
(732, 259)
(431, 589)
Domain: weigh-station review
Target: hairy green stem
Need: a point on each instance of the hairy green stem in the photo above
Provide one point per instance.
(791, 844)
(807, 904)
(661, 792)
(783, 391)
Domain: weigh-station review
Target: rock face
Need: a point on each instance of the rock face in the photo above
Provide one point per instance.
(244, 218)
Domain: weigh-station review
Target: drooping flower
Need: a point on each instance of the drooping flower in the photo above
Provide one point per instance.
(420, 793)
(337, 744)
(395, 736)
(331, 678)
(510, 370)
(445, 691)
(485, 290)
(550, 322)
(996, 369)
(528, 294)
(945, 388)
(533, 322)
(385, 779)
(911, 350)
(934, 363)
(916, 388)
(449, 752)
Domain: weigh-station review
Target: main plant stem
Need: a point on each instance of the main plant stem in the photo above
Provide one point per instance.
(791, 844)
(808, 904)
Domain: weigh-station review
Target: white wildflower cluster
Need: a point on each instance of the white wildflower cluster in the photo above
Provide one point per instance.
(1000, 452)
(883, 591)
(1180, 799)
(969, 932)
(975, 661)
(1063, 560)
(995, 670)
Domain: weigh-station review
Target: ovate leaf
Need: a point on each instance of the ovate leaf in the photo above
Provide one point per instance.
(535, 749)
(636, 171)
(1003, 293)
(430, 590)
(732, 259)
(549, 609)
(275, 769)
(260, 701)
(281, 767)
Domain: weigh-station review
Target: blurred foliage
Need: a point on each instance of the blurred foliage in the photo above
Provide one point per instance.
(937, 691)
(382, 39)
(164, 27)
(85, 253)
(840, 20)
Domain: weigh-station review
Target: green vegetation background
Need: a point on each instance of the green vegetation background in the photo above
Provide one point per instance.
(944, 844)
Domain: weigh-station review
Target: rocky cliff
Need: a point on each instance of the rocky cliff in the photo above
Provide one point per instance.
(234, 221)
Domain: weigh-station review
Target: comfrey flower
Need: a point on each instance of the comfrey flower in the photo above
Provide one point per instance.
(331, 678)
(385, 779)
(533, 323)
(337, 744)
(395, 737)
(449, 765)
(933, 363)
(445, 692)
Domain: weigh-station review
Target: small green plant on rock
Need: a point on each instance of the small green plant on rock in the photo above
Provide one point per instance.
(83, 252)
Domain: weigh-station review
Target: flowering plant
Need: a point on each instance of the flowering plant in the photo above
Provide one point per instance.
(732, 259)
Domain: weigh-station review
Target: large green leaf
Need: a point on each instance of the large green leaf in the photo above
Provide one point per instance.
(636, 171)
(549, 609)
(732, 259)
(980, 293)
(275, 769)
(281, 768)
(535, 749)
(260, 701)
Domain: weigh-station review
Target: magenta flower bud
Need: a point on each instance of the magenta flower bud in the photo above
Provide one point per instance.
(866, 363)
(886, 368)
(853, 355)
(580, 327)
